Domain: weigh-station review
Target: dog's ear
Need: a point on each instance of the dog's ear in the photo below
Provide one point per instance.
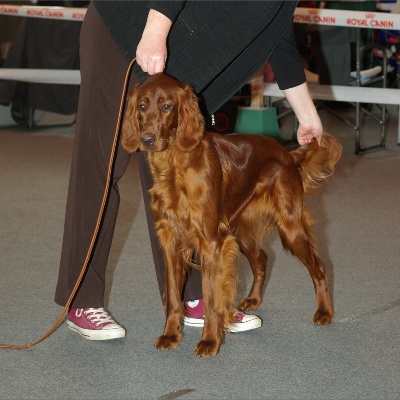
(130, 126)
(190, 129)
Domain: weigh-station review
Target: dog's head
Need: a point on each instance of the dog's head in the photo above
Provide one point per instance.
(161, 110)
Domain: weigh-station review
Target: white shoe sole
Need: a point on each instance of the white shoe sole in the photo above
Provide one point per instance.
(253, 322)
(103, 334)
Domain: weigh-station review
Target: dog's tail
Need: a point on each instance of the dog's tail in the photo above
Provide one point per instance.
(317, 162)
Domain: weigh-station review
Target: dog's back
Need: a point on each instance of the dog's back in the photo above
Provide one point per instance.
(252, 162)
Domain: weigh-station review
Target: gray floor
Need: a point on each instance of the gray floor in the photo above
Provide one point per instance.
(357, 224)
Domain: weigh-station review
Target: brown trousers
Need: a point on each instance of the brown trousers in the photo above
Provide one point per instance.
(103, 70)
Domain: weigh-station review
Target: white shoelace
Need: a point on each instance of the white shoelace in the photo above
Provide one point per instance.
(99, 316)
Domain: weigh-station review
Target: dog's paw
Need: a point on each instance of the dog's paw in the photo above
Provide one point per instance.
(168, 342)
(207, 348)
(323, 317)
(248, 303)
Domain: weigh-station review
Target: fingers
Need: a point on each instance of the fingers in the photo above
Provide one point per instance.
(151, 66)
(308, 139)
(305, 139)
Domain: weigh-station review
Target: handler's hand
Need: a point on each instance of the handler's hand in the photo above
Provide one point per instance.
(151, 54)
(306, 132)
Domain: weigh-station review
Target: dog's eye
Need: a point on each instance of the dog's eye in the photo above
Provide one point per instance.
(142, 107)
(166, 107)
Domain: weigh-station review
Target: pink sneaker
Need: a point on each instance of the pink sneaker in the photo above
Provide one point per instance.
(94, 324)
(195, 317)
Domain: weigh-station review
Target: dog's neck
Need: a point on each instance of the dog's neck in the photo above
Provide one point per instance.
(173, 161)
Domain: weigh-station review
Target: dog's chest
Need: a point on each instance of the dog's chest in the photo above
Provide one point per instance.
(178, 195)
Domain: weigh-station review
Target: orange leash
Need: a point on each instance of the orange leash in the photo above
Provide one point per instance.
(96, 230)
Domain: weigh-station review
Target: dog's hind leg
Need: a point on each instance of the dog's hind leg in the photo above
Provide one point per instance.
(294, 229)
(258, 262)
(250, 229)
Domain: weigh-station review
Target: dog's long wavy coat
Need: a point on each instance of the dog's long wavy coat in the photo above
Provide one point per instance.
(220, 194)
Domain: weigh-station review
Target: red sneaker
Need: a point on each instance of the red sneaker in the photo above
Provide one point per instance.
(94, 324)
(195, 317)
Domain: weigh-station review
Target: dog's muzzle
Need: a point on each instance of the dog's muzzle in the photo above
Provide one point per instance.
(147, 139)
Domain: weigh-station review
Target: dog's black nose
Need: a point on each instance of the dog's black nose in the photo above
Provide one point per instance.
(147, 139)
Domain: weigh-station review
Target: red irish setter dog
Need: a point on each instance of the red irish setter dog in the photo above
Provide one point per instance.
(221, 194)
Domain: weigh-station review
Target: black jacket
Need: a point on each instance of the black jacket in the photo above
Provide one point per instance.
(215, 46)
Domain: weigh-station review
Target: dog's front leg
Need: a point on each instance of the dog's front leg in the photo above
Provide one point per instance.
(175, 274)
(212, 336)
(219, 260)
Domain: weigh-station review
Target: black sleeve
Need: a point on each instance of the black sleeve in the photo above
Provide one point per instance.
(170, 9)
(286, 62)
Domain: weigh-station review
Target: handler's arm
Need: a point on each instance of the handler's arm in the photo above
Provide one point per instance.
(289, 73)
(151, 52)
(310, 124)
